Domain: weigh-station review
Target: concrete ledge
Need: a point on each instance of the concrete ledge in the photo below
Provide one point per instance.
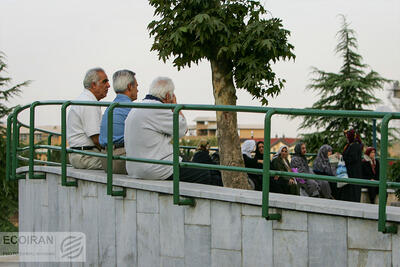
(299, 203)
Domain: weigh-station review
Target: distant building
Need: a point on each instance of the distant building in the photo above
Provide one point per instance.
(277, 142)
(207, 127)
(40, 136)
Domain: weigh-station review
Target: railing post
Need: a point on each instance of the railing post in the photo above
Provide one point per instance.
(64, 181)
(110, 120)
(8, 148)
(266, 168)
(49, 150)
(15, 142)
(19, 176)
(32, 143)
(374, 133)
(175, 140)
(383, 177)
(31, 139)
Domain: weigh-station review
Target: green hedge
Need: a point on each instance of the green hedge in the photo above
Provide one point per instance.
(394, 175)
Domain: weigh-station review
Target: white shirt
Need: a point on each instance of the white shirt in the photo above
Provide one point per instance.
(83, 121)
(148, 134)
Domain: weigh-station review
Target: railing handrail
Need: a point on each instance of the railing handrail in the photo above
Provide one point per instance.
(12, 148)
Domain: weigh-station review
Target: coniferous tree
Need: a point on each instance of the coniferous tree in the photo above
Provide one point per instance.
(353, 88)
(8, 190)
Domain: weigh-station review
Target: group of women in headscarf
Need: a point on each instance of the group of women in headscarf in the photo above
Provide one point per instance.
(284, 185)
(366, 167)
(299, 162)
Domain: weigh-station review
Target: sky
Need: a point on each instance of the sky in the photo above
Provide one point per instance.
(53, 43)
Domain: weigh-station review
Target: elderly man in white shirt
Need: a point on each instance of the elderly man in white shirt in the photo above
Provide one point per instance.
(148, 134)
(83, 122)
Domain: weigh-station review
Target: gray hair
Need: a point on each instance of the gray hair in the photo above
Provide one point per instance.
(121, 80)
(161, 86)
(91, 77)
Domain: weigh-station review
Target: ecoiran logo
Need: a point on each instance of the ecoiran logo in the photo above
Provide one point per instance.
(44, 246)
(73, 246)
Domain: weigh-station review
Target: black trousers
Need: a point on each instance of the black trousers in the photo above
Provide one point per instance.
(349, 192)
(200, 176)
(372, 192)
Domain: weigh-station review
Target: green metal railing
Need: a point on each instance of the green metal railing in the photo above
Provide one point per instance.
(12, 148)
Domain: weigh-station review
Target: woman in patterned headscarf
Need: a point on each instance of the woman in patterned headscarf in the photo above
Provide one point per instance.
(352, 156)
(300, 162)
(370, 171)
(322, 166)
(280, 162)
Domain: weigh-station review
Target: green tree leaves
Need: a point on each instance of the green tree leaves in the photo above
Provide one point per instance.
(236, 32)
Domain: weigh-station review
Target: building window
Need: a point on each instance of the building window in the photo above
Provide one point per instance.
(24, 137)
(38, 137)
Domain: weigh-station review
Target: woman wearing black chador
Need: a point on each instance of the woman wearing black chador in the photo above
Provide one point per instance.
(352, 156)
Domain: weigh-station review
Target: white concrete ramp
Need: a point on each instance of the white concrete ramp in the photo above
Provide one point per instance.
(225, 228)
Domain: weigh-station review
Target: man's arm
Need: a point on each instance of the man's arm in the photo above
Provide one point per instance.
(95, 139)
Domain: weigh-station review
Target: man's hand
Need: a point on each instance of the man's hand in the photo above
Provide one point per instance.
(95, 139)
(173, 101)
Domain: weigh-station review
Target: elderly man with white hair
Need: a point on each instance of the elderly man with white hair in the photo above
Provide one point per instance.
(148, 134)
(83, 122)
(125, 86)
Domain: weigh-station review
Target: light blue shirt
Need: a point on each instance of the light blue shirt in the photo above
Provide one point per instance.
(119, 116)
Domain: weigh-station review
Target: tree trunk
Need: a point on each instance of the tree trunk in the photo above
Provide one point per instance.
(228, 138)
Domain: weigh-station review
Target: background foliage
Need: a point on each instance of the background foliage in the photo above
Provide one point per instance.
(8, 190)
(394, 175)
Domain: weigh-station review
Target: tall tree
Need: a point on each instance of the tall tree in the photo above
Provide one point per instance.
(350, 89)
(241, 45)
(8, 190)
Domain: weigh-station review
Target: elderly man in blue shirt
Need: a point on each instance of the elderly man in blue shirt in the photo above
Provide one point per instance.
(125, 86)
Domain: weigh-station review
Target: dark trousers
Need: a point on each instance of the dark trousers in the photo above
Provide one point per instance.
(349, 192)
(372, 192)
(257, 180)
(282, 186)
(200, 176)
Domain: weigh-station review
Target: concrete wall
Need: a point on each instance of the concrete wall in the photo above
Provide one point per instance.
(225, 228)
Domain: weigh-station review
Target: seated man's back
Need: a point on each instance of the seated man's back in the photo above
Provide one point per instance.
(148, 134)
(125, 86)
